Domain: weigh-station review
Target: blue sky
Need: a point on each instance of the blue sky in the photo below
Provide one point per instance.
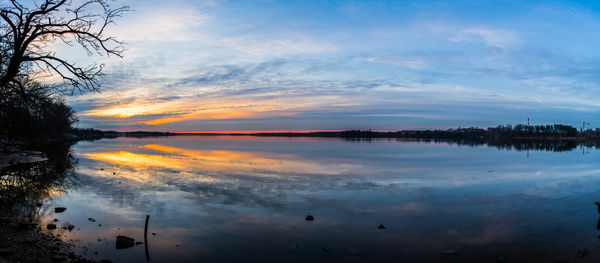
(382, 65)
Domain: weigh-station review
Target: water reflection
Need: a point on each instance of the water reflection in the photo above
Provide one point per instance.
(211, 163)
(247, 199)
(519, 145)
(26, 188)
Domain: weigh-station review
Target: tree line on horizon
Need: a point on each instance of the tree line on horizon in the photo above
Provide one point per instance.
(499, 132)
(554, 138)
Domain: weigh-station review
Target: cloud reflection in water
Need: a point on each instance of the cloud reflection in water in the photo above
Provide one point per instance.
(232, 199)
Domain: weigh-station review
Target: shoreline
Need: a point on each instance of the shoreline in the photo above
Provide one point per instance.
(21, 240)
(24, 242)
(91, 134)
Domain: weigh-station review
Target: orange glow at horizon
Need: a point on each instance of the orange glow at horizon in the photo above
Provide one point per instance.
(194, 108)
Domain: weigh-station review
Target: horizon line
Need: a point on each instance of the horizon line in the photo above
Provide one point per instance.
(258, 131)
(324, 130)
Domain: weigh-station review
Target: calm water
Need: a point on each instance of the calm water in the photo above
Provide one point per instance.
(245, 199)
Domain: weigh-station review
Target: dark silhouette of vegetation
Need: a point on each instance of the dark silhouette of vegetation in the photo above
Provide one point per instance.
(540, 132)
(32, 116)
(28, 29)
(556, 138)
(520, 130)
(30, 110)
(93, 134)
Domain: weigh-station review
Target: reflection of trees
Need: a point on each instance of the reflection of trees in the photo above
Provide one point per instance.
(24, 187)
(555, 138)
(549, 146)
(524, 145)
(512, 144)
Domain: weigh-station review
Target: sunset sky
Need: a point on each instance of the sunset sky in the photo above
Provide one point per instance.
(328, 65)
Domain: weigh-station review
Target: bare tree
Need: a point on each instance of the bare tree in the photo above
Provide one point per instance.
(27, 31)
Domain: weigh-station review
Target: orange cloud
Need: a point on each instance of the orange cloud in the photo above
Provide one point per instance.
(194, 108)
(208, 114)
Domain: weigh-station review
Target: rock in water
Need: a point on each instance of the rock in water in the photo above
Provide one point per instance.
(70, 227)
(124, 242)
(583, 253)
(310, 218)
(59, 209)
(381, 227)
(51, 226)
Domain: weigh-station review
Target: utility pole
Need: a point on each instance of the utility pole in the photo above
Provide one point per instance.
(583, 126)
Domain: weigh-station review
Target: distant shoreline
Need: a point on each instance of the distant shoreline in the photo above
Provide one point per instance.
(533, 133)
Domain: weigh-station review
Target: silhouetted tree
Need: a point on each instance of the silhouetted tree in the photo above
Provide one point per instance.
(29, 109)
(27, 30)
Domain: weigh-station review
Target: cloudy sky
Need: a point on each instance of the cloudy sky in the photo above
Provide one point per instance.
(327, 65)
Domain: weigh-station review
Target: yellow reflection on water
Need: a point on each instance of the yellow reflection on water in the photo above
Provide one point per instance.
(208, 165)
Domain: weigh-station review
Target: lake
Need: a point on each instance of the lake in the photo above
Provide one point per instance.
(246, 199)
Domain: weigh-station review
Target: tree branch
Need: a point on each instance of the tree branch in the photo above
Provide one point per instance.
(53, 20)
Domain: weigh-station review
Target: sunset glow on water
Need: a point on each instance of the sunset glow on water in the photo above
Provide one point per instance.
(210, 196)
(299, 131)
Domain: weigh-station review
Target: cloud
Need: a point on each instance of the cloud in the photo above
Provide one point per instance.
(243, 66)
(407, 62)
(278, 44)
(279, 88)
(498, 38)
(158, 24)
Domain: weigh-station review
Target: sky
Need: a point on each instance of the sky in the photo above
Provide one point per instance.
(336, 65)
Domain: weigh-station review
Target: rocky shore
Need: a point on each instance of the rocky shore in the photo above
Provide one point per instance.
(24, 242)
